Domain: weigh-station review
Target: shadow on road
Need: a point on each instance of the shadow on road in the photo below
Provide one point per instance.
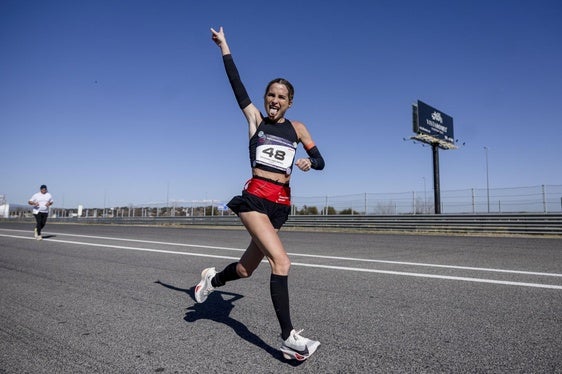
(217, 308)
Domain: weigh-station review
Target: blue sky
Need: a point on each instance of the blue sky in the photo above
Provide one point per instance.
(126, 102)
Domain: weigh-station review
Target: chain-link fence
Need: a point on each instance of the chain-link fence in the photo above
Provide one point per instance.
(533, 199)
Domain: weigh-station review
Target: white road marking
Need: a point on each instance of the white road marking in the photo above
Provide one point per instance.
(434, 276)
(466, 279)
(310, 255)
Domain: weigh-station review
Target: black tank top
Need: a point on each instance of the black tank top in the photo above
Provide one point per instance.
(273, 147)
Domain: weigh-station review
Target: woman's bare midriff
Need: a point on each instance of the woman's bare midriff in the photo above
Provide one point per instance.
(281, 178)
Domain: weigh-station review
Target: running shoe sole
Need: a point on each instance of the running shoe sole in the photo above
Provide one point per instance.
(200, 298)
(290, 354)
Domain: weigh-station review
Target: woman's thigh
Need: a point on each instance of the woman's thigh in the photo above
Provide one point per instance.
(266, 239)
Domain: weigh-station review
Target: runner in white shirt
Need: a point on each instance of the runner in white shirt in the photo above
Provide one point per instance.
(41, 202)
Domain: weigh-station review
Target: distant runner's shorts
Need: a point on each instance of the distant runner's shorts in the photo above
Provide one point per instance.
(264, 196)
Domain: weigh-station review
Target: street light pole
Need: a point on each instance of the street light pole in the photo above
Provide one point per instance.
(487, 179)
(424, 197)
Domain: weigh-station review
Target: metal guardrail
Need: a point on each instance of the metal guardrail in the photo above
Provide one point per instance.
(531, 224)
(528, 224)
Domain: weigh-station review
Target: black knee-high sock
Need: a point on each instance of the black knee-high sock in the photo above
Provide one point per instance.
(228, 274)
(279, 288)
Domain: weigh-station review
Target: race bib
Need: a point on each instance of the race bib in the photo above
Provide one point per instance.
(275, 152)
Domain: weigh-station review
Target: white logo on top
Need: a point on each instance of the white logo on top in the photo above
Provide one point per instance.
(436, 116)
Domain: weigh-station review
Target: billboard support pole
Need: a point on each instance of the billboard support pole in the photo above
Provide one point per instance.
(436, 188)
(431, 126)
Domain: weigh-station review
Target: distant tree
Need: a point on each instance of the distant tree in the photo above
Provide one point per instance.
(308, 210)
(210, 210)
(349, 211)
(420, 206)
(386, 208)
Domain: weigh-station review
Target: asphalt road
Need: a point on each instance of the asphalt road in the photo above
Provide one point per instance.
(119, 299)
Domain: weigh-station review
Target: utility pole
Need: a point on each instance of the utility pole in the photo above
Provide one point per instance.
(487, 180)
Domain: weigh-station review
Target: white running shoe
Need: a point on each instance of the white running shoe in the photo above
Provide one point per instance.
(204, 288)
(298, 347)
(39, 237)
(35, 232)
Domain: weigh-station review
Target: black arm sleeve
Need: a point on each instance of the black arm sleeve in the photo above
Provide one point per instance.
(235, 82)
(316, 160)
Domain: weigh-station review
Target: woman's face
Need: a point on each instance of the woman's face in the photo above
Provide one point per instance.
(276, 101)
